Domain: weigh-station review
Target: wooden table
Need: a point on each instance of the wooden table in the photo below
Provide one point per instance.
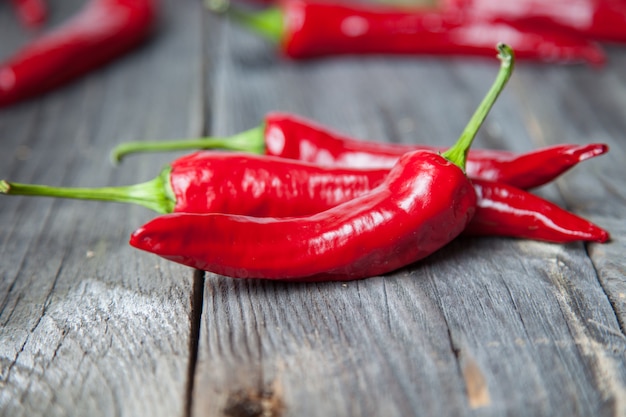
(485, 327)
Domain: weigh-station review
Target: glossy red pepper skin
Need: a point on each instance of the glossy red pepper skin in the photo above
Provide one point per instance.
(507, 211)
(424, 203)
(205, 182)
(98, 33)
(265, 186)
(32, 13)
(532, 169)
(261, 186)
(315, 29)
(603, 20)
(293, 137)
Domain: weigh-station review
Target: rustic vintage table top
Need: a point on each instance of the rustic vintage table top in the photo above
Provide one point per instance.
(485, 327)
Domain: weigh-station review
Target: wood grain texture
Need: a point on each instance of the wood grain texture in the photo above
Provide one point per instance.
(88, 325)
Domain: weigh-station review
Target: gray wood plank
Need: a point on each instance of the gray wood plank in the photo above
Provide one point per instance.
(587, 106)
(88, 325)
(485, 327)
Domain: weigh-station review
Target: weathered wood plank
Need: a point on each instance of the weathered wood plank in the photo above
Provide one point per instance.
(485, 327)
(587, 106)
(88, 325)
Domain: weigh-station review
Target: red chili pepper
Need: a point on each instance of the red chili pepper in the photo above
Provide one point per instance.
(308, 29)
(603, 20)
(32, 13)
(206, 182)
(532, 169)
(425, 201)
(266, 186)
(202, 182)
(507, 211)
(100, 32)
(294, 137)
(396, 224)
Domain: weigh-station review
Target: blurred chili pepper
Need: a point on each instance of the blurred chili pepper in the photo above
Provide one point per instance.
(32, 13)
(100, 32)
(294, 137)
(603, 20)
(266, 186)
(308, 29)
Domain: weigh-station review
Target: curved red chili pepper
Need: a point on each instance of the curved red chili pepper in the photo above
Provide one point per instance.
(603, 20)
(100, 32)
(395, 224)
(206, 182)
(535, 218)
(308, 29)
(32, 13)
(294, 137)
(261, 186)
(265, 186)
(532, 169)
(424, 202)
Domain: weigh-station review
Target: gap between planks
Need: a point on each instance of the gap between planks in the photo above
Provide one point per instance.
(197, 301)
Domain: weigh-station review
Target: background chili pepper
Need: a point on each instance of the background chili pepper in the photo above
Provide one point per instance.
(100, 32)
(308, 29)
(293, 137)
(265, 186)
(603, 20)
(32, 13)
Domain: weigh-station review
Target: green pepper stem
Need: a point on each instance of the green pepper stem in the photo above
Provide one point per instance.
(267, 22)
(155, 194)
(250, 141)
(457, 154)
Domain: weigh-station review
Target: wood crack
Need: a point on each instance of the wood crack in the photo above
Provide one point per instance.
(45, 306)
(197, 300)
(618, 318)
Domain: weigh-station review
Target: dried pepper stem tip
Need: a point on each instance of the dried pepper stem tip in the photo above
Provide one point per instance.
(4, 187)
